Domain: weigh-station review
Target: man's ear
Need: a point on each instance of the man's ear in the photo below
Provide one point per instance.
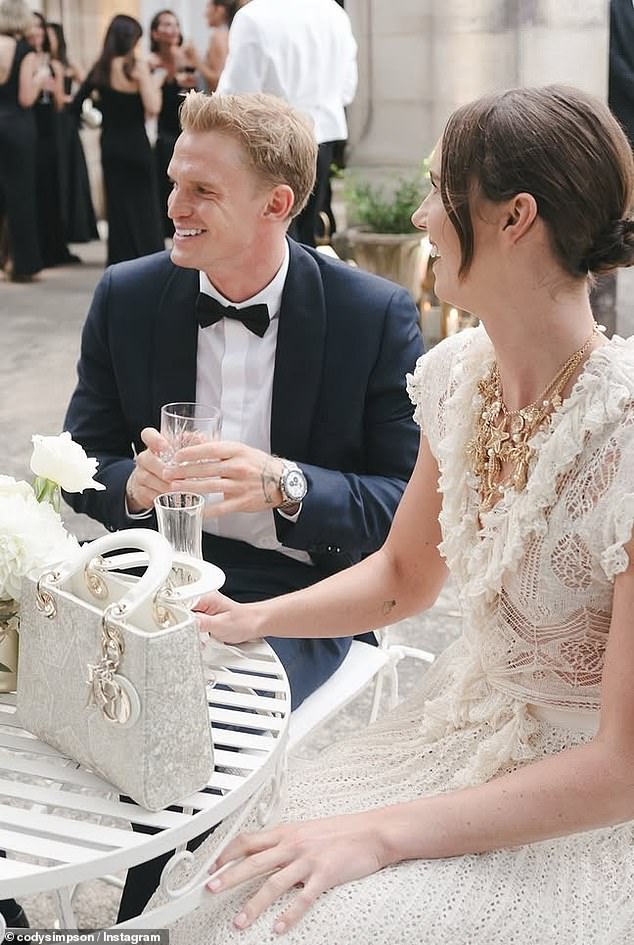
(519, 215)
(280, 202)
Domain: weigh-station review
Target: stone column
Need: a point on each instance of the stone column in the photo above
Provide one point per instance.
(391, 116)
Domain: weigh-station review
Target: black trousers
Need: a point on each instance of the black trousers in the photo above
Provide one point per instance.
(307, 224)
(142, 880)
(9, 908)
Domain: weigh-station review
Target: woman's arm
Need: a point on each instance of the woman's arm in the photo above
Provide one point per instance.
(30, 81)
(210, 67)
(402, 578)
(57, 90)
(77, 75)
(82, 93)
(150, 87)
(578, 789)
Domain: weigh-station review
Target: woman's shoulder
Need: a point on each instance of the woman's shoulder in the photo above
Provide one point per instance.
(606, 386)
(618, 353)
(120, 80)
(463, 349)
(441, 371)
(8, 46)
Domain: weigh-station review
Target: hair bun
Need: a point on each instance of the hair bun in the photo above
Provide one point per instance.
(613, 247)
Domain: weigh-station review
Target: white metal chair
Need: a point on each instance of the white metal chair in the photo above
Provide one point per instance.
(363, 664)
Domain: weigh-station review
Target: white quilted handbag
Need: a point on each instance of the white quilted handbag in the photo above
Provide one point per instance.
(110, 670)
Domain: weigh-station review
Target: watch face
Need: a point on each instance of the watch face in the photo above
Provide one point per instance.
(295, 485)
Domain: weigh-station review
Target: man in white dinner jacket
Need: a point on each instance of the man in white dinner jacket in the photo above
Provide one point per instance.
(304, 52)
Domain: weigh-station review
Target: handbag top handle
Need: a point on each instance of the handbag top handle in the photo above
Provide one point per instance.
(159, 565)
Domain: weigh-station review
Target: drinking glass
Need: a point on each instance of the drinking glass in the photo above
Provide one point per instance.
(180, 520)
(187, 424)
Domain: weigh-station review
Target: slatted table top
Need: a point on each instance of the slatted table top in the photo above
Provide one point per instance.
(61, 824)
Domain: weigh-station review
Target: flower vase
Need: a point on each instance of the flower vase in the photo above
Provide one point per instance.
(9, 623)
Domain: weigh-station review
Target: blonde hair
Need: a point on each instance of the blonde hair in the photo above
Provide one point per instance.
(278, 142)
(15, 17)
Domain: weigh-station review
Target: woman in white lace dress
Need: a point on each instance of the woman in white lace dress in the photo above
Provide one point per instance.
(497, 806)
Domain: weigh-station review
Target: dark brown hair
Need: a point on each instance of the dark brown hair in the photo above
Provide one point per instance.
(230, 7)
(559, 144)
(121, 37)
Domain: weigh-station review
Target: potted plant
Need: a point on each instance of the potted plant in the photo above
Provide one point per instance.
(382, 238)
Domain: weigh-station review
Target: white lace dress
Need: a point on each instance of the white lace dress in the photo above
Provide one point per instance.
(535, 585)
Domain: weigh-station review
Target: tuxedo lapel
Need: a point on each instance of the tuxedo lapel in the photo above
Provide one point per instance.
(299, 355)
(175, 342)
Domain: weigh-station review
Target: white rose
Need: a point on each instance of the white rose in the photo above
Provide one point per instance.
(63, 461)
(10, 486)
(32, 538)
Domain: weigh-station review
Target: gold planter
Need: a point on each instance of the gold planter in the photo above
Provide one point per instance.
(396, 256)
(9, 623)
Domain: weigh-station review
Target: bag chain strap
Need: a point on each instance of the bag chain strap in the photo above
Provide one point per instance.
(105, 692)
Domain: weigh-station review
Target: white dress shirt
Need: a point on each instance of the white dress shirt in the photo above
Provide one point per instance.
(234, 372)
(300, 50)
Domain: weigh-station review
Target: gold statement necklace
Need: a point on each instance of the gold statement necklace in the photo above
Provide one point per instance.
(502, 435)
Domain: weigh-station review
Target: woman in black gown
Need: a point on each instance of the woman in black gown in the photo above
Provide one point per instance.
(126, 93)
(78, 211)
(20, 84)
(49, 174)
(168, 54)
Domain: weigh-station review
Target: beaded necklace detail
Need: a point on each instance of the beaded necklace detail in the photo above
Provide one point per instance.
(502, 435)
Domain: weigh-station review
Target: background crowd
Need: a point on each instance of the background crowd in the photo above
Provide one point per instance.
(133, 95)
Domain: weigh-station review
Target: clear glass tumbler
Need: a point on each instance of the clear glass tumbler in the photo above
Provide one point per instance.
(180, 520)
(188, 424)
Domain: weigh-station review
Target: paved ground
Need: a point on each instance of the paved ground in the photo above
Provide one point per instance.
(39, 342)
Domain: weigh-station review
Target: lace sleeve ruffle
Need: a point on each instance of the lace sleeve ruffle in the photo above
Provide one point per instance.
(615, 558)
(429, 385)
(416, 389)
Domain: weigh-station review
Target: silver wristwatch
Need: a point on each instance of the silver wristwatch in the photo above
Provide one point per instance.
(293, 486)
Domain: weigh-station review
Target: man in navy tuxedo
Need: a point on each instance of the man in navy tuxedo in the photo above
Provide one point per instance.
(318, 439)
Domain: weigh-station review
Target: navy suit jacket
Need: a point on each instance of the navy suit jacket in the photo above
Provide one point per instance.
(339, 406)
(621, 74)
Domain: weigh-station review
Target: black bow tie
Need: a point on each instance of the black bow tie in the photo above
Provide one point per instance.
(210, 310)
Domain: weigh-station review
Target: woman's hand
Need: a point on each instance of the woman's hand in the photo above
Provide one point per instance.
(315, 856)
(190, 55)
(225, 620)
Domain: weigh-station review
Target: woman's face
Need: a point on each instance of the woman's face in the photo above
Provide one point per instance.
(168, 31)
(432, 217)
(35, 35)
(216, 15)
(467, 290)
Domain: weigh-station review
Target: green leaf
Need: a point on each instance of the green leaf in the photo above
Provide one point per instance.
(383, 211)
(47, 491)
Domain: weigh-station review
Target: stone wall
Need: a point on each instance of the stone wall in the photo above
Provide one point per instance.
(419, 59)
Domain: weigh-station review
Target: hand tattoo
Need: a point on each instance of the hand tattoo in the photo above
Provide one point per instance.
(270, 482)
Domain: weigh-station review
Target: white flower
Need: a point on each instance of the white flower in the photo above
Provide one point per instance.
(10, 486)
(63, 461)
(32, 536)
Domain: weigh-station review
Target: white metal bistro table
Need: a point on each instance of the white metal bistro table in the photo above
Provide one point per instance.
(60, 824)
